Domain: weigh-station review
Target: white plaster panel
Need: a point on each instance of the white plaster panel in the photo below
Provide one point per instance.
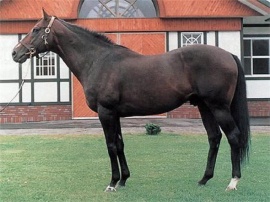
(211, 38)
(64, 70)
(230, 41)
(8, 68)
(173, 40)
(45, 92)
(26, 69)
(8, 91)
(26, 92)
(258, 88)
(64, 92)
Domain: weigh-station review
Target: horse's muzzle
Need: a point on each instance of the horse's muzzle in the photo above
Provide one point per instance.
(20, 58)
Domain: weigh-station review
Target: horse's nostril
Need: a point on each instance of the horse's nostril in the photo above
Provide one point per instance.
(14, 53)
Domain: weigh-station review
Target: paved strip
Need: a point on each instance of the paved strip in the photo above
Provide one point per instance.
(129, 125)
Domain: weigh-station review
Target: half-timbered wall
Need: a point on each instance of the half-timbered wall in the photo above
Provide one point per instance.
(43, 82)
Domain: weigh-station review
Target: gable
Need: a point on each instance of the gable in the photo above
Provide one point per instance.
(11, 10)
(204, 8)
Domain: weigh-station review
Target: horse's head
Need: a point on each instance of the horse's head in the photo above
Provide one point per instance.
(38, 40)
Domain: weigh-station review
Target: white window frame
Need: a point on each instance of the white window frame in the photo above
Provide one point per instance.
(40, 71)
(117, 9)
(251, 57)
(192, 40)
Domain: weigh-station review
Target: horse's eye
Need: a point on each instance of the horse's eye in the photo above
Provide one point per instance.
(35, 30)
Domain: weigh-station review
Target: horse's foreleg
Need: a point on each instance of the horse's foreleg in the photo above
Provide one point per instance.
(108, 121)
(214, 137)
(125, 174)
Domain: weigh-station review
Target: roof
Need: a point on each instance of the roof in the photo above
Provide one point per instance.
(32, 9)
(204, 8)
(13, 10)
(261, 6)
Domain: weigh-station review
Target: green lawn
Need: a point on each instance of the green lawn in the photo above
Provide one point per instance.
(163, 168)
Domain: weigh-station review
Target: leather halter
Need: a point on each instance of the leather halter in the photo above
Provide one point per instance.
(32, 50)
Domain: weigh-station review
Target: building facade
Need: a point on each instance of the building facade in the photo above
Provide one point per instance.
(51, 92)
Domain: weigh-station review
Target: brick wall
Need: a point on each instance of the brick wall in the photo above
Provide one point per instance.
(18, 114)
(259, 108)
(186, 111)
(256, 109)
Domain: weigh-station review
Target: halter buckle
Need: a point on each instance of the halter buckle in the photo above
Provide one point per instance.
(47, 30)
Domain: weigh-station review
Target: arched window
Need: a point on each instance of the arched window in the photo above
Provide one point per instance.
(117, 9)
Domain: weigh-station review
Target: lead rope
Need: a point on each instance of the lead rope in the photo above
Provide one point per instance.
(21, 85)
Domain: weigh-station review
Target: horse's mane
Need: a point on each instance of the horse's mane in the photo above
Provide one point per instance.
(89, 32)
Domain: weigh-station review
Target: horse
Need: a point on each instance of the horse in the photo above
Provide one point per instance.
(119, 82)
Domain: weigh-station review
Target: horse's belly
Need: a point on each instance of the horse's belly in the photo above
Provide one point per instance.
(145, 107)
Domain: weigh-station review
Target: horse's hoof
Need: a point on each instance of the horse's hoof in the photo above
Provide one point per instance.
(202, 182)
(110, 189)
(201, 185)
(233, 184)
(230, 188)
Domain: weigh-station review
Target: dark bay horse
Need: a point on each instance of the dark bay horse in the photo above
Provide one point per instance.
(118, 82)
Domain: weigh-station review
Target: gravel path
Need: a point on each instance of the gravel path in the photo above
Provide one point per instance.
(129, 125)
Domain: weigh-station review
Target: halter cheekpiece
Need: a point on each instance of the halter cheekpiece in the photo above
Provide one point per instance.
(48, 30)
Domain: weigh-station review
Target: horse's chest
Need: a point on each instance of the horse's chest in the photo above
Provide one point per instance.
(91, 99)
(106, 97)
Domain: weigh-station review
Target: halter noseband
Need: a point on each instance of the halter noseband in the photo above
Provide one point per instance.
(32, 50)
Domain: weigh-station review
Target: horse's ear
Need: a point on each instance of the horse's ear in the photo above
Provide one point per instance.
(45, 15)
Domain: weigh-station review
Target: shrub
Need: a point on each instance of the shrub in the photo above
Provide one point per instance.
(152, 129)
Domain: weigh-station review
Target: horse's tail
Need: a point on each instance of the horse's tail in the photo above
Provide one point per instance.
(239, 111)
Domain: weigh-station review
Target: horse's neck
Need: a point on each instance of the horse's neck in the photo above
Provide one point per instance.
(78, 54)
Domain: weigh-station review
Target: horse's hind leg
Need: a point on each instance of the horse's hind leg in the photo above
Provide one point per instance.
(125, 174)
(228, 125)
(214, 137)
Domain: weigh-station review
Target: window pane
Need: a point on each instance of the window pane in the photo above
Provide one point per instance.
(247, 65)
(45, 70)
(117, 8)
(260, 47)
(45, 62)
(247, 47)
(52, 61)
(261, 66)
(37, 61)
(37, 71)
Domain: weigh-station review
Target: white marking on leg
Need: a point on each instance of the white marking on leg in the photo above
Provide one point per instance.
(110, 189)
(233, 184)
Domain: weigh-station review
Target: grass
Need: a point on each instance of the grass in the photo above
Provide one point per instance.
(163, 168)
